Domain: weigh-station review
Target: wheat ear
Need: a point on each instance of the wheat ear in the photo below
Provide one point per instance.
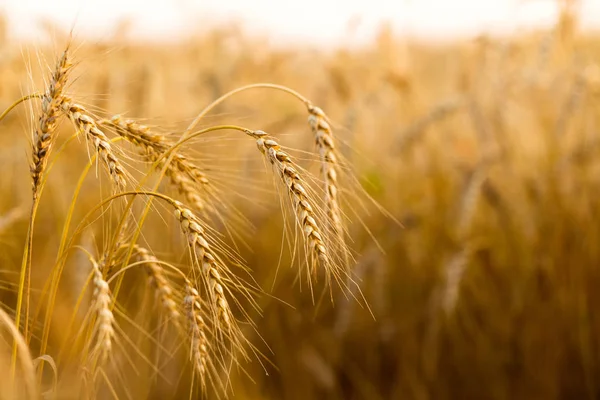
(85, 123)
(305, 214)
(196, 236)
(197, 329)
(192, 310)
(329, 163)
(158, 280)
(43, 136)
(104, 316)
(183, 174)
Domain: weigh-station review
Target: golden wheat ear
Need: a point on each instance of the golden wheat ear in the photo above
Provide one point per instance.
(192, 311)
(209, 263)
(86, 124)
(43, 135)
(304, 207)
(197, 329)
(102, 303)
(186, 177)
(330, 173)
(165, 291)
(329, 164)
(217, 282)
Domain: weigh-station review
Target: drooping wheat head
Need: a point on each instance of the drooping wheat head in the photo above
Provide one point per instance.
(329, 164)
(210, 266)
(197, 331)
(86, 124)
(301, 202)
(165, 292)
(189, 180)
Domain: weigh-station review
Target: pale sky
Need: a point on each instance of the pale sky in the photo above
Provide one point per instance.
(313, 21)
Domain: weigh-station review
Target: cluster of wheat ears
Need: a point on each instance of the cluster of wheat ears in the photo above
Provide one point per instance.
(206, 299)
(167, 254)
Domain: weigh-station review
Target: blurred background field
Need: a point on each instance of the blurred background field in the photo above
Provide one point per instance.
(485, 150)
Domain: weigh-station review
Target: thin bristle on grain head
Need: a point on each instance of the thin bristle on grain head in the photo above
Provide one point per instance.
(329, 164)
(210, 265)
(197, 330)
(102, 306)
(85, 123)
(304, 210)
(43, 135)
(159, 282)
(183, 174)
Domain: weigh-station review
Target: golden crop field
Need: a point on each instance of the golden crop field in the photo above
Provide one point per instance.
(222, 218)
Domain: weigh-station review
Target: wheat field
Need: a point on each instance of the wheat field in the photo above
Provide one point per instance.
(220, 218)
